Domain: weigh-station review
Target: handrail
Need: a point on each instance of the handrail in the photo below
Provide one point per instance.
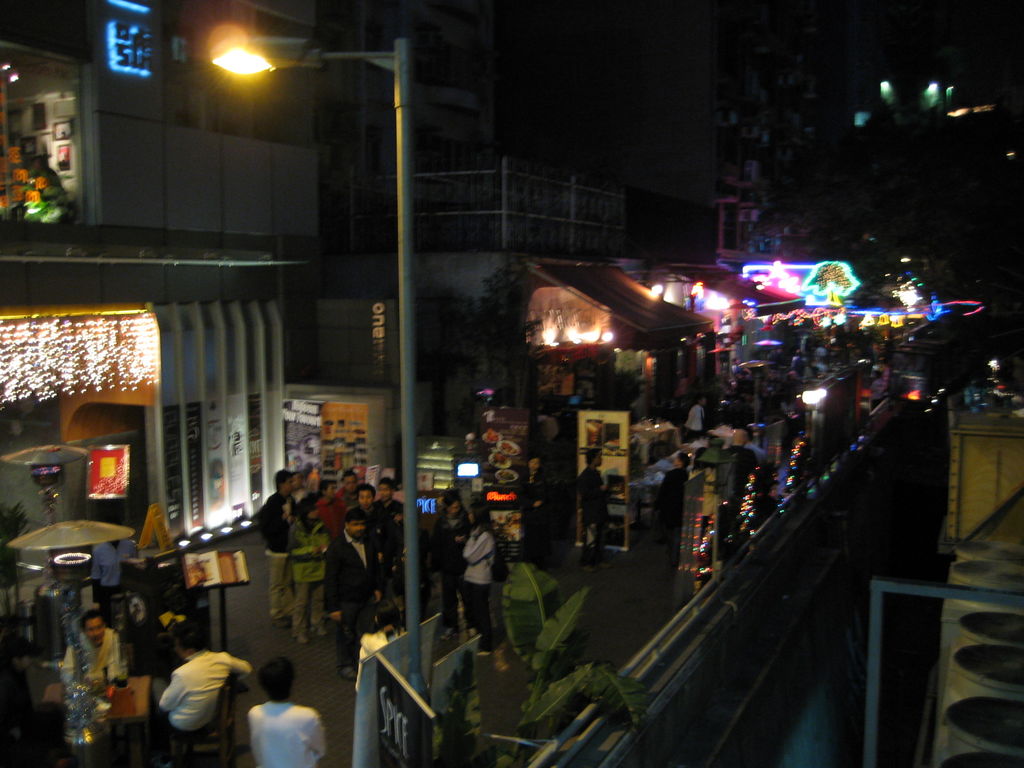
(812, 489)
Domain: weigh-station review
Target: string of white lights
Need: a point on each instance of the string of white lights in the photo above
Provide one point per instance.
(47, 356)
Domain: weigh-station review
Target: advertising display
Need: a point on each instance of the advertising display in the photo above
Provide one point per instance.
(194, 459)
(302, 421)
(237, 442)
(108, 472)
(343, 438)
(255, 451)
(503, 437)
(503, 433)
(172, 462)
(608, 431)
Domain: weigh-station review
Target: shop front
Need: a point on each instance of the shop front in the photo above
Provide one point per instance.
(595, 328)
(175, 400)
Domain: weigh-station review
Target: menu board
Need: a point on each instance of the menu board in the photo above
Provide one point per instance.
(503, 435)
(507, 525)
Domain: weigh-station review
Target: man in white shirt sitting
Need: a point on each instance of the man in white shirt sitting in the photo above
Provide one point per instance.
(102, 650)
(190, 700)
(283, 734)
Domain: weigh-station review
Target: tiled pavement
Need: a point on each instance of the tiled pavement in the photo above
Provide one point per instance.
(627, 604)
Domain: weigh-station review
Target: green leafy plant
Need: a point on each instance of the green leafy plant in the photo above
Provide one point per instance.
(460, 722)
(544, 632)
(13, 522)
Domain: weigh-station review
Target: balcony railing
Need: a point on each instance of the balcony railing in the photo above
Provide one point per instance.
(512, 205)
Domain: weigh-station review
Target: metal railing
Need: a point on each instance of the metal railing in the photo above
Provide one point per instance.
(673, 662)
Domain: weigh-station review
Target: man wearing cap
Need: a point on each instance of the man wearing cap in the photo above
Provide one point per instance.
(275, 518)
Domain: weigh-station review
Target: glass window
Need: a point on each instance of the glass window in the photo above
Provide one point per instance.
(41, 142)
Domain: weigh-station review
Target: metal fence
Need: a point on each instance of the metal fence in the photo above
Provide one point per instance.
(504, 205)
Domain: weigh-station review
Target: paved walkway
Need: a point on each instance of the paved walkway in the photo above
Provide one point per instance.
(627, 604)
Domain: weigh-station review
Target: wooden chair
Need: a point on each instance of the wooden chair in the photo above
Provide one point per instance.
(218, 734)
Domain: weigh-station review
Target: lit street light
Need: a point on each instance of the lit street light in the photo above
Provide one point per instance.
(399, 61)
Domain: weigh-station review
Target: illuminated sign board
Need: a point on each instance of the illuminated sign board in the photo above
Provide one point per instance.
(426, 506)
(502, 496)
(825, 283)
(129, 43)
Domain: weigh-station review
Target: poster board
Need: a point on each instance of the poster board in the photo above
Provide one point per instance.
(343, 438)
(607, 431)
(108, 472)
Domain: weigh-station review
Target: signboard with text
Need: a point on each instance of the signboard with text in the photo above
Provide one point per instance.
(405, 722)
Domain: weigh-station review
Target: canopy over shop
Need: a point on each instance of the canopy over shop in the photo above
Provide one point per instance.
(582, 314)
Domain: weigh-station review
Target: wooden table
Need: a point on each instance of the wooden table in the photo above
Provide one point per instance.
(136, 725)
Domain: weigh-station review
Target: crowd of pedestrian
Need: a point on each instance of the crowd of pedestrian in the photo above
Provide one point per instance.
(338, 557)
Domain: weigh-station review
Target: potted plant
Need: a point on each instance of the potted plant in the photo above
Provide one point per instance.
(13, 521)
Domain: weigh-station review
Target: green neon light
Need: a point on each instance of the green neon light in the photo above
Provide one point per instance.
(831, 281)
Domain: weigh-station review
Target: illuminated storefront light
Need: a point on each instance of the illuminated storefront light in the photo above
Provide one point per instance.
(42, 357)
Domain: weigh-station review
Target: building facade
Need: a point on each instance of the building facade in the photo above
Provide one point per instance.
(154, 209)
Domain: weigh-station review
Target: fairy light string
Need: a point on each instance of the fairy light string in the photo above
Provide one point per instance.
(48, 356)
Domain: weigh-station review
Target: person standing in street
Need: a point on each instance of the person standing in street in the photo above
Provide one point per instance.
(696, 423)
(283, 734)
(308, 540)
(386, 503)
(275, 519)
(535, 515)
(331, 508)
(350, 585)
(348, 492)
(106, 572)
(479, 556)
(593, 495)
(669, 503)
(446, 545)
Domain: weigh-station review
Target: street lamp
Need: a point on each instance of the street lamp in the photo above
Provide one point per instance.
(399, 61)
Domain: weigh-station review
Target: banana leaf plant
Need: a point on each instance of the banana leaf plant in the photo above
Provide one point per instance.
(544, 632)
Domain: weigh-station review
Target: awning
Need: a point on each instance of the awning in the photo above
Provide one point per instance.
(647, 319)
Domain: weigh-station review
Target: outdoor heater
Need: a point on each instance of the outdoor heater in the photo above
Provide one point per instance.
(68, 546)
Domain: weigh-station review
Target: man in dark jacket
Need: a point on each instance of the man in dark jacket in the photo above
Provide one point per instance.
(670, 500)
(594, 503)
(350, 585)
(275, 518)
(446, 544)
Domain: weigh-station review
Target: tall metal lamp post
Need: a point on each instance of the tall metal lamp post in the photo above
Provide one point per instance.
(399, 62)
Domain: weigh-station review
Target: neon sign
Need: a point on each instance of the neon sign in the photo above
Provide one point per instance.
(500, 496)
(825, 283)
(426, 506)
(129, 49)
(785, 278)
(831, 280)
